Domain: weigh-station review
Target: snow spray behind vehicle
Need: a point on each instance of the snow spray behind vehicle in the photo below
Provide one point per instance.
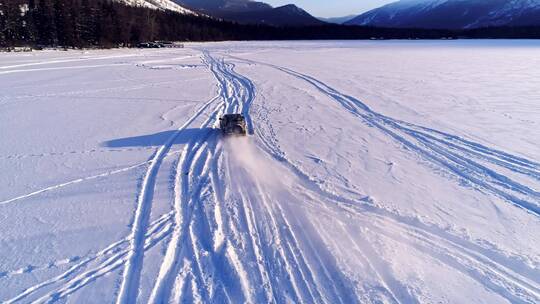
(245, 156)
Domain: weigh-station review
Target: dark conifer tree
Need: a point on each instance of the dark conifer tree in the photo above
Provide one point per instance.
(3, 25)
(46, 29)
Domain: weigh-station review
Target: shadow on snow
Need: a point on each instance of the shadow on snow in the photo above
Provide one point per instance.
(160, 138)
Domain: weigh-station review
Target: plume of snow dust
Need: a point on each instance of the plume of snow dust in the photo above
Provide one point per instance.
(318, 224)
(248, 160)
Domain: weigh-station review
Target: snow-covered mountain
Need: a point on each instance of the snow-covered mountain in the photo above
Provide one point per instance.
(220, 7)
(337, 20)
(283, 15)
(158, 4)
(248, 11)
(452, 14)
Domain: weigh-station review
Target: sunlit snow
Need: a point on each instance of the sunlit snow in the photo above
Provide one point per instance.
(374, 172)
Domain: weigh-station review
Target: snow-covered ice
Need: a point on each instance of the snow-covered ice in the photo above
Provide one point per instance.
(375, 172)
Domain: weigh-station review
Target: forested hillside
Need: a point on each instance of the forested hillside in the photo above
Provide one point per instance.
(85, 23)
(105, 23)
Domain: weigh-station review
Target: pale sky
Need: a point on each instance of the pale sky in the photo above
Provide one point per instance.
(332, 8)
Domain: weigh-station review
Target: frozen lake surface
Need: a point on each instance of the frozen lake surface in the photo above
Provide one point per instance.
(374, 172)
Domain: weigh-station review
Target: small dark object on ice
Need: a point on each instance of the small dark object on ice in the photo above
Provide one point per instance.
(233, 124)
(150, 45)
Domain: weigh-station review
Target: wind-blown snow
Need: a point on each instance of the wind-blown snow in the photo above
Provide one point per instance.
(374, 172)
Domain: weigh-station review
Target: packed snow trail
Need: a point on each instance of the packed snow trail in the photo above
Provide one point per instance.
(129, 289)
(187, 189)
(209, 167)
(184, 245)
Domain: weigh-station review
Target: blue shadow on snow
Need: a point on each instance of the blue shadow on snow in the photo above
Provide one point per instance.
(161, 138)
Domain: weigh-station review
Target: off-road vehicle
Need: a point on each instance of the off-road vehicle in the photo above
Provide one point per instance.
(233, 124)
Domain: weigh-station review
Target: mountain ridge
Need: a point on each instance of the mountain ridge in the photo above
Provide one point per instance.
(252, 12)
(290, 15)
(159, 4)
(218, 7)
(452, 14)
(337, 20)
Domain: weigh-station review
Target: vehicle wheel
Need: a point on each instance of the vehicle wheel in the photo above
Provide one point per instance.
(238, 130)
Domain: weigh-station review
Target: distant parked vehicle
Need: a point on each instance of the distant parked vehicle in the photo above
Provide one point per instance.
(233, 124)
(16, 49)
(150, 45)
(160, 44)
(167, 44)
(171, 44)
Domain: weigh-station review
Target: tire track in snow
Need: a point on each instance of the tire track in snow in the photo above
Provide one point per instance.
(82, 179)
(64, 68)
(305, 271)
(307, 264)
(194, 261)
(184, 245)
(109, 265)
(256, 246)
(92, 151)
(130, 282)
(112, 253)
(519, 285)
(188, 245)
(184, 200)
(72, 182)
(186, 242)
(301, 275)
(80, 94)
(487, 267)
(438, 148)
(243, 90)
(363, 249)
(495, 277)
(390, 286)
(331, 284)
(133, 256)
(63, 60)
